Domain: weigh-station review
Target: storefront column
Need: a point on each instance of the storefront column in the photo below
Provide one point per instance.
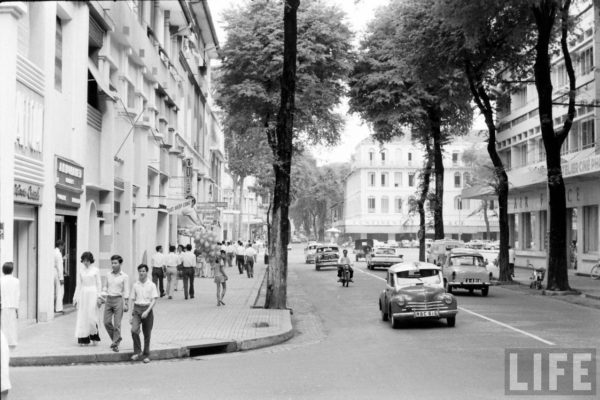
(10, 13)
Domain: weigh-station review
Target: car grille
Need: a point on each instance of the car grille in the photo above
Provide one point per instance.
(425, 306)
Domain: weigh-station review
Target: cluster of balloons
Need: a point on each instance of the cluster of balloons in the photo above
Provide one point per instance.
(206, 243)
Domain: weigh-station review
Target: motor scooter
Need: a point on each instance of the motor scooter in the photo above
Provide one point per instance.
(345, 276)
(537, 278)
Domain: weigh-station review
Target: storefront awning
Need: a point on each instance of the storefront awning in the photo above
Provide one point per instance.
(480, 192)
(102, 86)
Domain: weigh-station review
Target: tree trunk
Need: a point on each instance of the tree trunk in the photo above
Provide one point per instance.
(545, 15)
(421, 202)
(314, 227)
(484, 208)
(438, 161)
(501, 185)
(276, 296)
(241, 204)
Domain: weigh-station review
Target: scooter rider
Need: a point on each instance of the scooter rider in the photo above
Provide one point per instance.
(345, 260)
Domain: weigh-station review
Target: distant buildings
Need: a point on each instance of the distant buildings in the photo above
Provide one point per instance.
(106, 127)
(382, 182)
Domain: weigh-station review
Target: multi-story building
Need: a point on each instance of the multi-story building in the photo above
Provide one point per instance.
(253, 210)
(520, 145)
(384, 178)
(106, 129)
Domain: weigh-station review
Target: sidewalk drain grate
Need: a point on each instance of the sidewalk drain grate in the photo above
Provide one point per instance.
(261, 324)
(207, 350)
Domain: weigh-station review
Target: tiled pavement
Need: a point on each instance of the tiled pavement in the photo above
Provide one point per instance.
(179, 325)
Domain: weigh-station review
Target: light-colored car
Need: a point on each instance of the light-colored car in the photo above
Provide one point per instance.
(327, 256)
(436, 254)
(466, 269)
(492, 245)
(384, 257)
(415, 291)
(309, 252)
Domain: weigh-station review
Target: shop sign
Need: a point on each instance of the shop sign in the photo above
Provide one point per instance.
(188, 174)
(69, 183)
(67, 198)
(27, 192)
(585, 166)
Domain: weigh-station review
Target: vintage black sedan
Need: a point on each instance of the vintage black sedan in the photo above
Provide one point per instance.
(415, 291)
(327, 255)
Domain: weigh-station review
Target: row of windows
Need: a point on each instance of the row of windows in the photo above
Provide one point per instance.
(459, 179)
(459, 204)
(382, 155)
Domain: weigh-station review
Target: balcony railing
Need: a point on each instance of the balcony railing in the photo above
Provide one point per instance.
(94, 118)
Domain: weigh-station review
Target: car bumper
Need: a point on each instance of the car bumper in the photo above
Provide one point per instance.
(327, 264)
(411, 315)
(466, 285)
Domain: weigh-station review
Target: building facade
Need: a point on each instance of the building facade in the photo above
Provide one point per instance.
(252, 212)
(521, 147)
(384, 179)
(107, 129)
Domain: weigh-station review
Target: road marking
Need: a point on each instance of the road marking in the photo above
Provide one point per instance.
(531, 335)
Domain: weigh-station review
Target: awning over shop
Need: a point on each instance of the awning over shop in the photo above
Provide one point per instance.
(102, 86)
(481, 192)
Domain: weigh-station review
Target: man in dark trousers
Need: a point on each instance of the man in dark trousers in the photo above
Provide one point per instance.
(143, 299)
(116, 290)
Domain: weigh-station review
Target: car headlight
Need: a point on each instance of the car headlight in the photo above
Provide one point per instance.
(447, 299)
(400, 300)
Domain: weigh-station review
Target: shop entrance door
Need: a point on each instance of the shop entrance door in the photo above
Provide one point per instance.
(25, 265)
(66, 230)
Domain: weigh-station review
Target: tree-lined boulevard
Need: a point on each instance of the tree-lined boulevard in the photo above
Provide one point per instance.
(342, 350)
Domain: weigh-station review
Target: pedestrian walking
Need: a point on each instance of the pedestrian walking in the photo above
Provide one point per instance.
(220, 277)
(87, 300)
(208, 268)
(511, 261)
(10, 293)
(249, 258)
(59, 276)
(171, 260)
(180, 251)
(230, 252)
(189, 262)
(573, 254)
(158, 269)
(239, 256)
(256, 248)
(143, 297)
(117, 301)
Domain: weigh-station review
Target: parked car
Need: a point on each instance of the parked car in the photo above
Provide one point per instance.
(466, 269)
(405, 243)
(415, 291)
(362, 247)
(384, 257)
(309, 252)
(492, 245)
(437, 252)
(475, 244)
(327, 256)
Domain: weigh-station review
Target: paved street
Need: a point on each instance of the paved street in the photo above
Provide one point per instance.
(342, 350)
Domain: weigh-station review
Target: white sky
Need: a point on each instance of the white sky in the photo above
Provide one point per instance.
(359, 12)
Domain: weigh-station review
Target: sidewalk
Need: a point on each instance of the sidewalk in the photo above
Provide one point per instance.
(182, 328)
(587, 286)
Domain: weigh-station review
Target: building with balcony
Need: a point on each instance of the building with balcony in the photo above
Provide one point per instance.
(520, 145)
(250, 216)
(107, 129)
(384, 179)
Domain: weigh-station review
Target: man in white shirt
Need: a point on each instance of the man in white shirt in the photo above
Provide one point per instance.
(59, 276)
(345, 260)
(511, 261)
(158, 269)
(189, 263)
(249, 257)
(143, 297)
(239, 256)
(9, 296)
(171, 261)
(116, 290)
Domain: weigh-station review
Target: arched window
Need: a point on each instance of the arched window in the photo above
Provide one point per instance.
(398, 205)
(457, 203)
(383, 155)
(457, 179)
(371, 156)
(385, 207)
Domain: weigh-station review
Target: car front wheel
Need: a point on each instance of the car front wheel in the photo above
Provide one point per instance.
(394, 322)
(485, 291)
(317, 267)
(451, 321)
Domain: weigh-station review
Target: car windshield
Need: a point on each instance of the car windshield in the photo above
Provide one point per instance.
(390, 252)
(410, 277)
(327, 249)
(467, 260)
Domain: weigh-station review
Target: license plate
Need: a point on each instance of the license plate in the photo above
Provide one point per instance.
(472, 280)
(421, 314)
